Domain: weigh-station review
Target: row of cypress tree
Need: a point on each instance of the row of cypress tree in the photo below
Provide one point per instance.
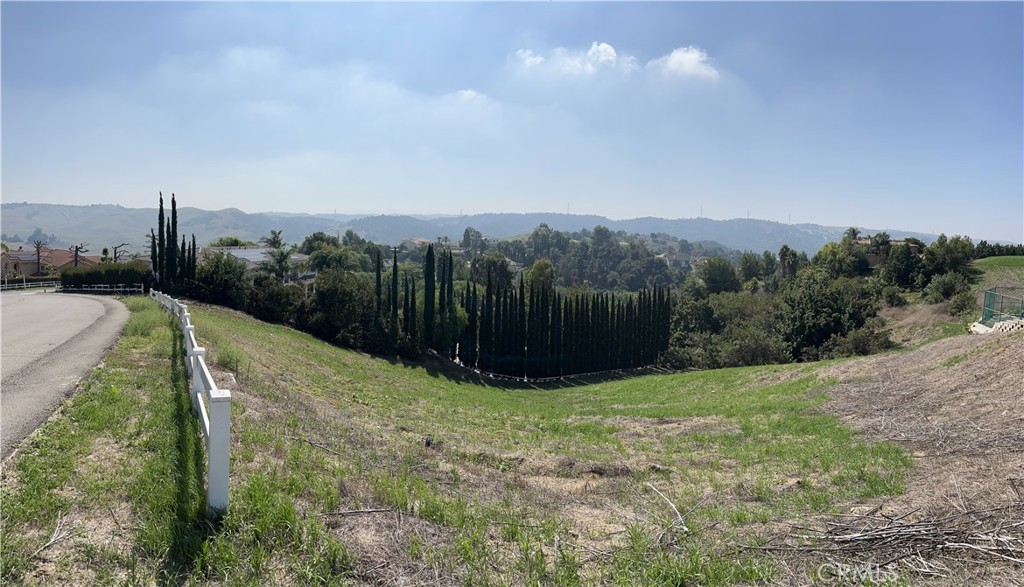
(544, 333)
(518, 331)
(173, 267)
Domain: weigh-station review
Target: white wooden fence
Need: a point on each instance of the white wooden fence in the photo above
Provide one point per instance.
(105, 288)
(211, 404)
(6, 285)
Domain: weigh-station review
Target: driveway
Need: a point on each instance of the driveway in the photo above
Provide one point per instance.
(49, 342)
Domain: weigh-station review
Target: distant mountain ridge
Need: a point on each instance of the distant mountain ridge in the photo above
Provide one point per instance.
(108, 225)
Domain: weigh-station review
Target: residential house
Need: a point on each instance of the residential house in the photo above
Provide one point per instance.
(25, 263)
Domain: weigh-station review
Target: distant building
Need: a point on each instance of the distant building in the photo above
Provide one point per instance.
(24, 262)
(875, 257)
(415, 243)
(253, 256)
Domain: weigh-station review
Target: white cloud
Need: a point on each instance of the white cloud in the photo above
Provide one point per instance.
(685, 62)
(529, 58)
(601, 53)
(567, 63)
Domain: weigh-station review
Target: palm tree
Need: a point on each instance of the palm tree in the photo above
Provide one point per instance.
(274, 241)
(277, 262)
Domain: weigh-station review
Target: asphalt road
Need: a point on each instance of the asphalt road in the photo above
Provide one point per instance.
(49, 342)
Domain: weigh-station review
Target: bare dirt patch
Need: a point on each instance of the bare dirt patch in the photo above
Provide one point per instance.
(956, 405)
(392, 548)
(633, 428)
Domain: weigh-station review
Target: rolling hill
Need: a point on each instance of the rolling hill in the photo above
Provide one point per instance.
(108, 225)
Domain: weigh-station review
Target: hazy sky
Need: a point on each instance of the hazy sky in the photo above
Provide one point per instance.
(885, 115)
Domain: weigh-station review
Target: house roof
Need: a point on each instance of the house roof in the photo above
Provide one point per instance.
(254, 255)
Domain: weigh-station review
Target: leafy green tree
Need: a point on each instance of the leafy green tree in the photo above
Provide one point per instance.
(473, 240)
(342, 309)
(541, 275)
(769, 264)
(902, 267)
(719, 275)
(496, 265)
(231, 241)
(947, 255)
(881, 244)
(789, 261)
(839, 260)
(750, 266)
(221, 280)
(817, 307)
(316, 241)
(351, 239)
(332, 257)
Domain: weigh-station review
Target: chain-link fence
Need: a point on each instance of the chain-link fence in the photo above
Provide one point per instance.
(1002, 303)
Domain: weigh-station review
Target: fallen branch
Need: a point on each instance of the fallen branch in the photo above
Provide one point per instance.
(679, 516)
(996, 533)
(59, 533)
(356, 512)
(316, 444)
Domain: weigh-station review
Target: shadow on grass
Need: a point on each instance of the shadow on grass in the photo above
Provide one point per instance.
(437, 366)
(190, 527)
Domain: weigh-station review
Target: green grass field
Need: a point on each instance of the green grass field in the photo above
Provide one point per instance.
(349, 469)
(993, 262)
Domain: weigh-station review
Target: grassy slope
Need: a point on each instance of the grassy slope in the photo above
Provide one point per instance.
(1000, 271)
(519, 485)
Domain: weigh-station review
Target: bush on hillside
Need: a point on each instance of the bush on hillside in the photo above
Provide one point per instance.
(945, 286)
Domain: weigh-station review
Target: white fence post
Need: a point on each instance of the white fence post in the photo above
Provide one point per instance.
(198, 354)
(217, 451)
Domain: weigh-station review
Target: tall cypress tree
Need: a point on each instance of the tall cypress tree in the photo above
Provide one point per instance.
(442, 294)
(557, 345)
(500, 329)
(405, 304)
(520, 340)
(413, 330)
(161, 261)
(172, 244)
(394, 291)
(194, 259)
(451, 298)
(486, 326)
(473, 327)
(183, 256)
(380, 293)
(429, 285)
(153, 253)
(170, 254)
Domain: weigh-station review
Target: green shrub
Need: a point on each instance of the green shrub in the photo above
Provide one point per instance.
(963, 303)
(892, 297)
(945, 286)
(107, 274)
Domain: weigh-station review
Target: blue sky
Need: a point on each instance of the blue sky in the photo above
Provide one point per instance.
(885, 115)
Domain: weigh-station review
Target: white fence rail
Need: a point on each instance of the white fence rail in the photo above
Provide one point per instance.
(6, 285)
(105, 288)
(211, 404)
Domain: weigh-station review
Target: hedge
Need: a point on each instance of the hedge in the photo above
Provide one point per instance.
(108, 274)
